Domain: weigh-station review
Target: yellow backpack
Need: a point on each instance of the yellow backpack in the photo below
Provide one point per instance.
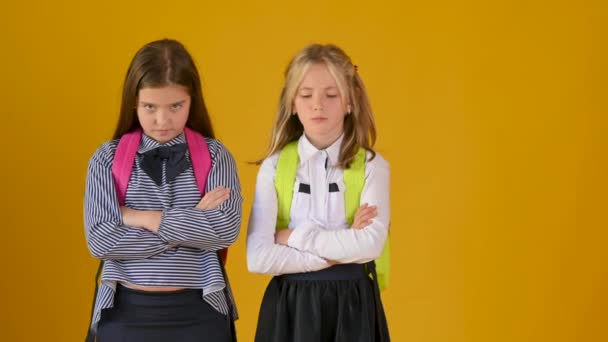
(354, 179)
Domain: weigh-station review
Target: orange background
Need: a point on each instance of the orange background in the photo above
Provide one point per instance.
(491, 114)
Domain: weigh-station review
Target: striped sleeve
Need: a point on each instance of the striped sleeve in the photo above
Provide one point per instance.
(208, 229)
(107, 236)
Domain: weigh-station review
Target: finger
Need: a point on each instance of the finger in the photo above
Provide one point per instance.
(214, 196)
(371, 211)
(222, 197)
(361, 225)
(364, 219)
(364, 222)
(362, 207)
(368, 216)
(278, 236)
(212, 204)
(206, 201)
(361, 210)
(217, 202)
(365, 213)
(367, 209)
(358, 225)
(211, 194)
(217, 192)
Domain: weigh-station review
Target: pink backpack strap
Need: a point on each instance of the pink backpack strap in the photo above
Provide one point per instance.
(200, 157)
(124, 159)
(201, 164)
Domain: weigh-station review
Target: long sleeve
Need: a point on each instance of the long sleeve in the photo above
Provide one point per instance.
(352, 245)
(107, 236)
(144, 258)
(263, 255)
(208, 229)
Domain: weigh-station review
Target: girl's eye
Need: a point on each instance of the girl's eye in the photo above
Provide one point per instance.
(331, 96)
(305, 96)
(149, 107)
(176, 106)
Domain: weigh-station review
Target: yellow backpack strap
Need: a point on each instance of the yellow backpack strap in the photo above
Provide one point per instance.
(354, 180)
(284, 179)
(383, 265)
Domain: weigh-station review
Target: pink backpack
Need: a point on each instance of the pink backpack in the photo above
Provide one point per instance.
(124, 159)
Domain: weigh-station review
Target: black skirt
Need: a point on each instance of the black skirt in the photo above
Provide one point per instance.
(162, 317)
(338, 304)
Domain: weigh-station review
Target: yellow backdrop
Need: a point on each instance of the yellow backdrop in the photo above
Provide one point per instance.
(492, 115)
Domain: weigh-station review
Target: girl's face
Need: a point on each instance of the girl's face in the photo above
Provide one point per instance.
(163, 112)
(320, 106)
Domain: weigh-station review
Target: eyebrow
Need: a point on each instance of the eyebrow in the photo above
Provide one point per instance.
(326, 88)
(170, 104)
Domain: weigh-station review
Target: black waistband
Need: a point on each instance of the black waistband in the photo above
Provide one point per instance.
(129, 296)
(336, 272)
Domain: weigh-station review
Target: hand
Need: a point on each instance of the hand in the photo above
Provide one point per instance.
(128, 216)
(282, 236)
(214, 198)
(364, 216)
(146, 219)
(331, 262)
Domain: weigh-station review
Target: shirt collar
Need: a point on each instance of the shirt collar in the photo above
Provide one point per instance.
(148, 143)
(307, 150)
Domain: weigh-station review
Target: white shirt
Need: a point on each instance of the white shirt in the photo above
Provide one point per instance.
(318, 220)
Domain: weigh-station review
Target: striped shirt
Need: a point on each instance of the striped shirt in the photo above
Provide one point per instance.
(145, 258)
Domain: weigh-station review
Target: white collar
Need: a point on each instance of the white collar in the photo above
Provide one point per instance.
(307, 150)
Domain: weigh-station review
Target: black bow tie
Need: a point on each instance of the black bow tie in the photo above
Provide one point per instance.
(152, 162)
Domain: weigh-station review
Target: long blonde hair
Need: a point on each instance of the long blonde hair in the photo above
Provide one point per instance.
(359, 126)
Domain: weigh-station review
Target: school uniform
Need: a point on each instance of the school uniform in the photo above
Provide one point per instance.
(182, 254)
(308, 300)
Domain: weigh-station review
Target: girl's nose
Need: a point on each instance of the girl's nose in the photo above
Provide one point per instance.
(162, 117)
(317, 106)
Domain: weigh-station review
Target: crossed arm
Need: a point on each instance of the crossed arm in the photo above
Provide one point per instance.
(308, 247)
(120, 233)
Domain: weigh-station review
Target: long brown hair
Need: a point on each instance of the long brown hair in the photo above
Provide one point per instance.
(359, 126)
(158, 64)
